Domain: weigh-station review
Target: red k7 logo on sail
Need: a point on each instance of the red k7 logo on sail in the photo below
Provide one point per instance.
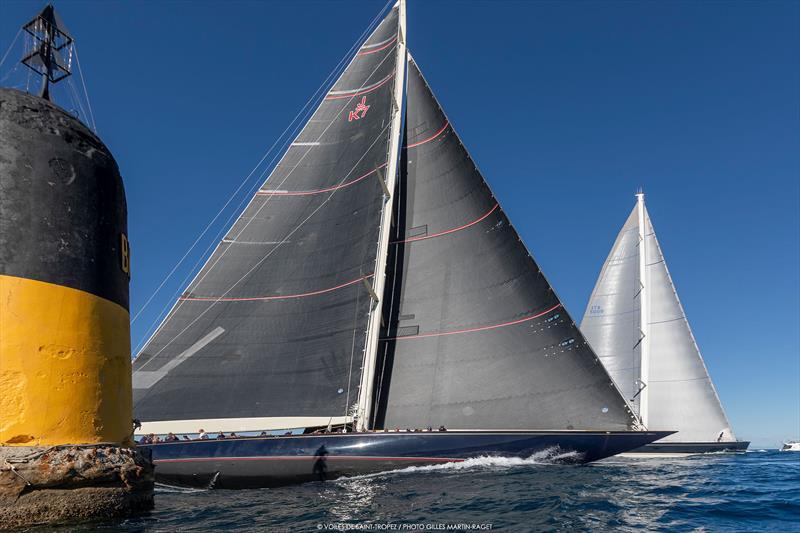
(361, 107)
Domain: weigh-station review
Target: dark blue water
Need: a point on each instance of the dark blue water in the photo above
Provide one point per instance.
(756, 491)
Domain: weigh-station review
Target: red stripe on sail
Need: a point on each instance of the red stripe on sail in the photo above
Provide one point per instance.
(284, 297)
(471, 330)
(320, 191)
(429, 139)
(465, 226)
(384, 47)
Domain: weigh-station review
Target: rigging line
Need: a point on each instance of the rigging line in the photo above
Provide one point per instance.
(472, 330)
(665, 321)
(679, 380)
(77, 99)
(453, 230)
(352, 354)
(302, 158)
(173, 301)
(28, 47)
(83, 82)
(203, 258)
(246, 274)
(302, 112)
(429, 139)
(177, 304)
(280, 297)
(8, 51)
(10, 72)
(296, 165)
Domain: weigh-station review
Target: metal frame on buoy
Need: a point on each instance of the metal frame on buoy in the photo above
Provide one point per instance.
(50, 37)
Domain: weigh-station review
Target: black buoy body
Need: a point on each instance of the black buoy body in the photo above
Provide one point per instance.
(65, 370)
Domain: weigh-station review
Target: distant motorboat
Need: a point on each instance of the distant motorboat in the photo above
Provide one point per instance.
(791, 446)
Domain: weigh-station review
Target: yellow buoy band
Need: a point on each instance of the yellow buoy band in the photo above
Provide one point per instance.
(65, 367)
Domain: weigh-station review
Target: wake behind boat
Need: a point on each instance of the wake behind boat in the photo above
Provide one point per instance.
(373, 282)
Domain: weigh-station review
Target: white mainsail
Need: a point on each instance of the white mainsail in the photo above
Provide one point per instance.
(637, 325)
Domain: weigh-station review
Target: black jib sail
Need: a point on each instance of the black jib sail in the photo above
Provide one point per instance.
(474, 335)
(275, 324)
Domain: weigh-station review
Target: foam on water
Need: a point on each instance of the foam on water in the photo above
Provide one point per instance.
(162, 487)
(549, 456)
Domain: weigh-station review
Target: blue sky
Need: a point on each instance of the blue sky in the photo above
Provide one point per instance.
(567, 107)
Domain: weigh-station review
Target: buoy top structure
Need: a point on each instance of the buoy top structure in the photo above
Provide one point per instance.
(65, 366)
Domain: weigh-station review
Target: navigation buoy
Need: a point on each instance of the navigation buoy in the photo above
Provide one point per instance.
(66, 447)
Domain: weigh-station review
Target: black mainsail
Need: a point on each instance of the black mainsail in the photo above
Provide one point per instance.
(474, 335)
(277, 322)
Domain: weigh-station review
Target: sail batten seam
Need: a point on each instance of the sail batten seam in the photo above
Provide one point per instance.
(382, 46)
(282, 297)
(429, 139)
(453, 230)
(349, 93)
(480, 328)
(320, 191)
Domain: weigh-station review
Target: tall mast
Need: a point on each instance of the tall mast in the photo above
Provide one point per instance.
(644, 372)
(364, 407)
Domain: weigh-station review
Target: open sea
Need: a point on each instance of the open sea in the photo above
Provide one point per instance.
(755, 491)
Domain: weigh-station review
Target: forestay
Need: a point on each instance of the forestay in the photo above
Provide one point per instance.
(612, 322)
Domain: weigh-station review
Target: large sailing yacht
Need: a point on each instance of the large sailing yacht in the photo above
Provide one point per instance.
(372, 283)
(636, 324)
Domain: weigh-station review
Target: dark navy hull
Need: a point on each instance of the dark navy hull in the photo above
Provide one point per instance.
(276, 461)
(690, 448)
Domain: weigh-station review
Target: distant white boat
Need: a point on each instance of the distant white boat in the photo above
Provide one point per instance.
(791, 446)
(637, 326)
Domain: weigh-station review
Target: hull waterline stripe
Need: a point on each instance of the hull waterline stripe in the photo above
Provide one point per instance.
(453, 230)
(283, 297)
(429, 139)
(311, 458)
(386, 44)
(472, 330)
(337, 95)
(320, 191)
